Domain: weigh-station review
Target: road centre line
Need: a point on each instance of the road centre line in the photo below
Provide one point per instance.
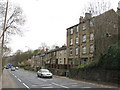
(25, 85)
(59, 85)
(19, 80)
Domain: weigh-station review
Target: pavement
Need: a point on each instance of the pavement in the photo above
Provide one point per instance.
(0, 82)
(7, 81)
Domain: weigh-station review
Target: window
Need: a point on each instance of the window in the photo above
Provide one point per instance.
(91, 48)
(91, 36)
(76, 51)
(77, 29)
(84, 38)
(91, 24)
(71, 41)
(64, 51)
(70, 51)
(60, 53)
(71, 31)
(84, 26)
(84, 49)
(60, 60)
(77, 40)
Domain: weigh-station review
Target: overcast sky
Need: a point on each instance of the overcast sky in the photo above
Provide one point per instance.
(47, 21)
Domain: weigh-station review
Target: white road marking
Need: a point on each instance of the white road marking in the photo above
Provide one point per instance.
(59, 85)
(16, 76)
(47, 87)
(19, 80)
(26, 85)
(85, 87)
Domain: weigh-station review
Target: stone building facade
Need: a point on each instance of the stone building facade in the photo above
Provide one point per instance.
(91, 38)
(50, 58)
(106, 31)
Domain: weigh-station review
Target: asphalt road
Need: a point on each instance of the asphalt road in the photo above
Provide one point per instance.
(29, 79)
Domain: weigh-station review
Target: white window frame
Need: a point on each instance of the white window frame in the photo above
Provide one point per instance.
(71, 31)
(84, 37)
(91, 48)
(91, 36)
(70, 52)
(83, 49)
(91, 24)
(77, 29)
(76, 51)
(77, 40)
(84, 26)
(60, 61)
(71, 41)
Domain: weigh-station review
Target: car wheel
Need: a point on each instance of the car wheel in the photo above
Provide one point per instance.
(41, 76)
(37, 75)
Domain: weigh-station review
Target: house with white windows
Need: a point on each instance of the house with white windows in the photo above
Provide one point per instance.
(91, 37)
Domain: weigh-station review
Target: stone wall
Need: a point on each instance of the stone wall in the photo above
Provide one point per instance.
(96, 75)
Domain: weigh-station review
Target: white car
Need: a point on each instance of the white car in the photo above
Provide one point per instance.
(13, 69)
(44, 73)
(17, 68)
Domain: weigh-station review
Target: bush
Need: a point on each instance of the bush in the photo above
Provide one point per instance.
(110, 60)
(27, 67)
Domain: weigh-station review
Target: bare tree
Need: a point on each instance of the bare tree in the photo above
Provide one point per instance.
(44, 46)
(97, 7)
(11, 18)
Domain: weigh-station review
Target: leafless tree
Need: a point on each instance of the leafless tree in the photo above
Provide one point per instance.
(97, 7)
(44, 46)
(11, 18)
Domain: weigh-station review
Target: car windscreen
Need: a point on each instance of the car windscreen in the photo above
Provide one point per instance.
(44, 71)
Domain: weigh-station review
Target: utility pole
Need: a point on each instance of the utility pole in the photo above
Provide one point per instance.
(2, 41)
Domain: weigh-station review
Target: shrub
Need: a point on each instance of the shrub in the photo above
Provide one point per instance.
(110, 60)
(27, 67)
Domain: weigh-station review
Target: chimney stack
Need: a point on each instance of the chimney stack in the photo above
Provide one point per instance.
(81, 19)
(118, 8)
(119, 5)
(88, 15)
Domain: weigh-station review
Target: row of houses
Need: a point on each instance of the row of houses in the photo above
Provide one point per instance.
(86, 41)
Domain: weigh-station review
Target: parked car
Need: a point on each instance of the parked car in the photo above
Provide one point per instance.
(13, 69)
(6, 67)
(44, 73)
(17, 68)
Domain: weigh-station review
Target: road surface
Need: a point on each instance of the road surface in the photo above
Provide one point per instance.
(29, 79)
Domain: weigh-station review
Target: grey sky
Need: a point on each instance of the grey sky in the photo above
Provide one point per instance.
(47, 21)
